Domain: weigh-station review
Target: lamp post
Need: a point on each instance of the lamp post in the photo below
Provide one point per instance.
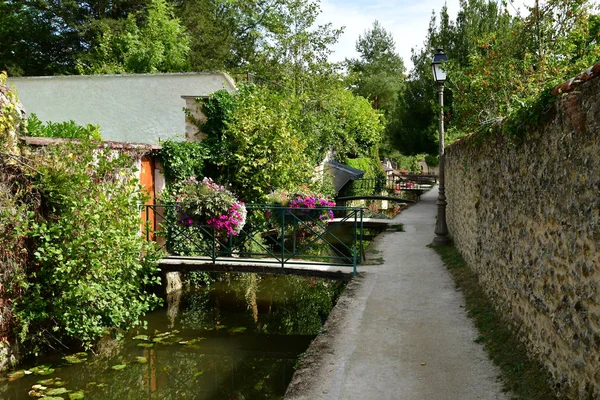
(439, 74)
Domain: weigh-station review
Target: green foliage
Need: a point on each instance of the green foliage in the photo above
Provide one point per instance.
(181, 159)
(432, 161)
(371, 166)
(144, 42)
(11, 117)
(90, 268)
(67, 130)
(507, 66)
(378, 74)
(294, 50)
(500, 65)
(252, 144)
(336, 119)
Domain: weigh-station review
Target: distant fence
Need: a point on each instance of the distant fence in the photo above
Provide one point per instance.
(391, 186)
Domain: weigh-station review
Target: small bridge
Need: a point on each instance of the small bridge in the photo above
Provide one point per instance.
(290, 240)
(388, 189)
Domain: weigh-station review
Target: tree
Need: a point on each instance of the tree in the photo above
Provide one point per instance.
(379, 72)
(251, 143)
(48, 37)
(293, 51)
(336, 119)
(30, 42)
(150, 41)
(521, 58)
(223, 33)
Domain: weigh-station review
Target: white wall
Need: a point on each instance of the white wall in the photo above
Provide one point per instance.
(137, 108)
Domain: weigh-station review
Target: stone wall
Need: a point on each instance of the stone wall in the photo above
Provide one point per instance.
(526, 218)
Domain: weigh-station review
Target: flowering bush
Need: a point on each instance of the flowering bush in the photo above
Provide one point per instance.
(302, 199)
(206, 203)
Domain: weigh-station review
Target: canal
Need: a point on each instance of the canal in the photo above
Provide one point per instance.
(237, 337)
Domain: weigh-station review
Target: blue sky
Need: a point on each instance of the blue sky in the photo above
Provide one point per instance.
(407, 20)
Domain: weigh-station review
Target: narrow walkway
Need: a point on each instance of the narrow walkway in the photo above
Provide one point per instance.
(400, 331)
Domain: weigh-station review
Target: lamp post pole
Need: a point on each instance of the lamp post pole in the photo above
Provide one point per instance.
(441, 230)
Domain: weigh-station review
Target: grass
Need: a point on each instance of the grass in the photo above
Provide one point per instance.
(524, 378)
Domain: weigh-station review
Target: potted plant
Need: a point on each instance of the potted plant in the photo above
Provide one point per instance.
(207, 204)
(303, 203)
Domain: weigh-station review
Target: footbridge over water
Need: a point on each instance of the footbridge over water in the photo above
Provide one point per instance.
(392, 189)
(275, 239)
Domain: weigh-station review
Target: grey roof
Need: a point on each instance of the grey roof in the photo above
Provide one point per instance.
(342, 173)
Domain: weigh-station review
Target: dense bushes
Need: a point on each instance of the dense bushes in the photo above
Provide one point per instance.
(90, 267)
(72, 261)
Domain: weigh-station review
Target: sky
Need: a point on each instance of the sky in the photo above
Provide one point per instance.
(407, 20)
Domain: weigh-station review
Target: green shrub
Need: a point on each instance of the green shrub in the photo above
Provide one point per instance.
(91, 268)
(65, 130)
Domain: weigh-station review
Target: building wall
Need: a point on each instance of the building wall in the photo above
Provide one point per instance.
(141, 108)
(526, 217)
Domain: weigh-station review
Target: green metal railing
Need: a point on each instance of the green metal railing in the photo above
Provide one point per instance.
(392, 187)
(272, 234)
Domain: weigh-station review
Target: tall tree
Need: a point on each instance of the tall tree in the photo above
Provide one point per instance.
(47, 37)
(294, 51)
(379, 72)
(150, 41)
(224, 33)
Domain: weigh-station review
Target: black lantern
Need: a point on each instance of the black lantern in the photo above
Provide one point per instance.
(439, 74)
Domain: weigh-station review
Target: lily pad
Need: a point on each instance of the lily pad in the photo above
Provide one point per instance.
(75, 359)
(239, 329)
(119, 367)
(56, 391)
(42, 370)
(146, 345)
(141, 337)
(54, 398)
(76, 395)
(13, 376)
(192, 342)
(141, 360)
(171, 340)
(47, 382)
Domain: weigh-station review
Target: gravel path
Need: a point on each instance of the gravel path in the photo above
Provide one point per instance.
(399, 331)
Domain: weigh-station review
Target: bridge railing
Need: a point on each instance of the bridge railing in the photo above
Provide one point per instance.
(271, 234)
(393, 187)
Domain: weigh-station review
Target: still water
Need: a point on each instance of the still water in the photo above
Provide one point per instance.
(238, 338)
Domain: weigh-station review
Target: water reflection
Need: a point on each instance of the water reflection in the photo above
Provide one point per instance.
(237, 339)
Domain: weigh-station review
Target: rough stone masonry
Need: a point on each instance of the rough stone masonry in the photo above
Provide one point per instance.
(526, 218)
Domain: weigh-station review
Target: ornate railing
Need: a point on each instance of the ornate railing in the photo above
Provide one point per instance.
(272, 234)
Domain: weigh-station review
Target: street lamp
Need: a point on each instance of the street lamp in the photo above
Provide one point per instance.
(439, 74)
